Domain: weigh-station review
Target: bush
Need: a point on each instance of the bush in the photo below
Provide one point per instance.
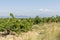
(16, 25)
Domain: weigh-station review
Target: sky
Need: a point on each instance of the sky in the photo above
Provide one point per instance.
(30, 7)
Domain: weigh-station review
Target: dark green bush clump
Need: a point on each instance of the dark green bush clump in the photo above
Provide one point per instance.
(15, 24)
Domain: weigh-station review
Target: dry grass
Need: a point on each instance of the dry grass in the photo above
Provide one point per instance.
(44, 31)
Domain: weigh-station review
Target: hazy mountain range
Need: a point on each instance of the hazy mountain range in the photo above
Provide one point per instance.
(25, 16)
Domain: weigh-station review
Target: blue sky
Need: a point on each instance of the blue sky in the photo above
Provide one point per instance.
(30, 7)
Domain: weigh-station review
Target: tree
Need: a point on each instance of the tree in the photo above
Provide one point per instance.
(11, 14)
(37, 20)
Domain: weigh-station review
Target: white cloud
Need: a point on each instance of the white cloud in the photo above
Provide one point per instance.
(46, 10)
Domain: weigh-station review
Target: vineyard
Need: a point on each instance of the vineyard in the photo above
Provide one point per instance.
(19, 25)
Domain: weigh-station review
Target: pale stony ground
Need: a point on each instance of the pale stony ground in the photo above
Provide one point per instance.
(45, 31)
(24, 36)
